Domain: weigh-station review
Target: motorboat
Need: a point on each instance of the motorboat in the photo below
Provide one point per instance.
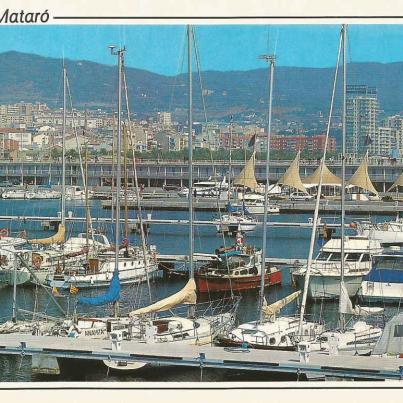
(384, 282)
(237, 268)
(387, 233)
(325, 271)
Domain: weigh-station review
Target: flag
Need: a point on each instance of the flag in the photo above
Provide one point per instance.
(368, 140)
(252, 141)
(55, 292)
(73, 289)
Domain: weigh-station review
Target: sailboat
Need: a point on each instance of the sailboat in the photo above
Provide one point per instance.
(54, 255)
(239, 218)
(202, 323)
(357, 336)
(270, 331)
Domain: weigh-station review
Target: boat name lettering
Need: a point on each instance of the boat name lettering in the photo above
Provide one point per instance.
(94, 332)
(24, 18)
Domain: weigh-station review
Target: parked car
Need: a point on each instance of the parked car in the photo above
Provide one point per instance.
(295, 196)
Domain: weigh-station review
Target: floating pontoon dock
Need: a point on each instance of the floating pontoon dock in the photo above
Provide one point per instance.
(177, 354)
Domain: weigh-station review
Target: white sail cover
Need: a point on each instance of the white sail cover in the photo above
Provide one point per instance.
(187, 295)
(361, 178)
(345, 303)
(272, 309)
(247, 176)
(291, 177)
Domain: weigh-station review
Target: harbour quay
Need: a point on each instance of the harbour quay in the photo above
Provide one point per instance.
(383, 172)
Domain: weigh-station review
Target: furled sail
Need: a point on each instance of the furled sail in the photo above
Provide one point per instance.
(291, 177)
(398, 182)
(361, 178)
(272, 309)
(345, 302)
(187, 295)
(57, 238)
(247, 176)
(111, 295)
(328, 178)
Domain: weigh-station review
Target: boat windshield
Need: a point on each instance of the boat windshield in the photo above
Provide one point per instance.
(389, 262)
(323, 256)
(353, 257)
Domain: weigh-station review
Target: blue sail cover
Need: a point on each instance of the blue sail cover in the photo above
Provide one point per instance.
(230, 209)
(111, 295)
(230, 253)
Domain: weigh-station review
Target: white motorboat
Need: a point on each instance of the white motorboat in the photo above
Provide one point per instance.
(75, 193)
(387, 233)
(325, 272)
(233, 222)
(209, 188)
(384, 282)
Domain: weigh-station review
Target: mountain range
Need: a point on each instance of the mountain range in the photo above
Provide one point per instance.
(298, 91)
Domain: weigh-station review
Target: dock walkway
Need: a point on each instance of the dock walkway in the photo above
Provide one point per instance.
(207, 356)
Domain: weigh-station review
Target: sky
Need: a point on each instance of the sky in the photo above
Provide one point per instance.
(160, 48)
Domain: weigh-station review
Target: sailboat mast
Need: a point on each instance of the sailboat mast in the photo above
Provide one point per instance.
(343, 175)
(120, 54)
(230, 160)
(190, 149)
(63, 193)
(126, 179)
(317, 203)
(271, 59)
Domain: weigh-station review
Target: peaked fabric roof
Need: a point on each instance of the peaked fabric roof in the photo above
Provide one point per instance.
(398, 182)
(291, 177)
(328, 177)
(361, 178)
(247, 176)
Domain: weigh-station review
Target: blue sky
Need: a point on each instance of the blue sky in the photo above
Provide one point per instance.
(158, 48)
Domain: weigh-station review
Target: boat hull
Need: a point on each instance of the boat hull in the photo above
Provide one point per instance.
(206, 283)
(7, 277)
(380, 291)
(328, 287)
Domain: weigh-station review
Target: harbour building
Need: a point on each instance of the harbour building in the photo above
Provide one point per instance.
(361, 119)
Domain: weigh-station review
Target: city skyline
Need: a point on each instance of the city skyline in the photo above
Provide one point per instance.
(160, 49)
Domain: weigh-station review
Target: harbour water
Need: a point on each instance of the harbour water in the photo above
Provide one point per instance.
(172, 239)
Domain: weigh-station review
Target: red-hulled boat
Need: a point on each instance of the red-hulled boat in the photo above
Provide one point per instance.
(238, 267)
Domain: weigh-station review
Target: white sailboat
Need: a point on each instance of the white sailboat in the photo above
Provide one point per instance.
(359, 336)
(269, 331)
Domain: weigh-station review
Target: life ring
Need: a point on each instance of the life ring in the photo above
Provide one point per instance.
(3, 232)
(37, 261)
